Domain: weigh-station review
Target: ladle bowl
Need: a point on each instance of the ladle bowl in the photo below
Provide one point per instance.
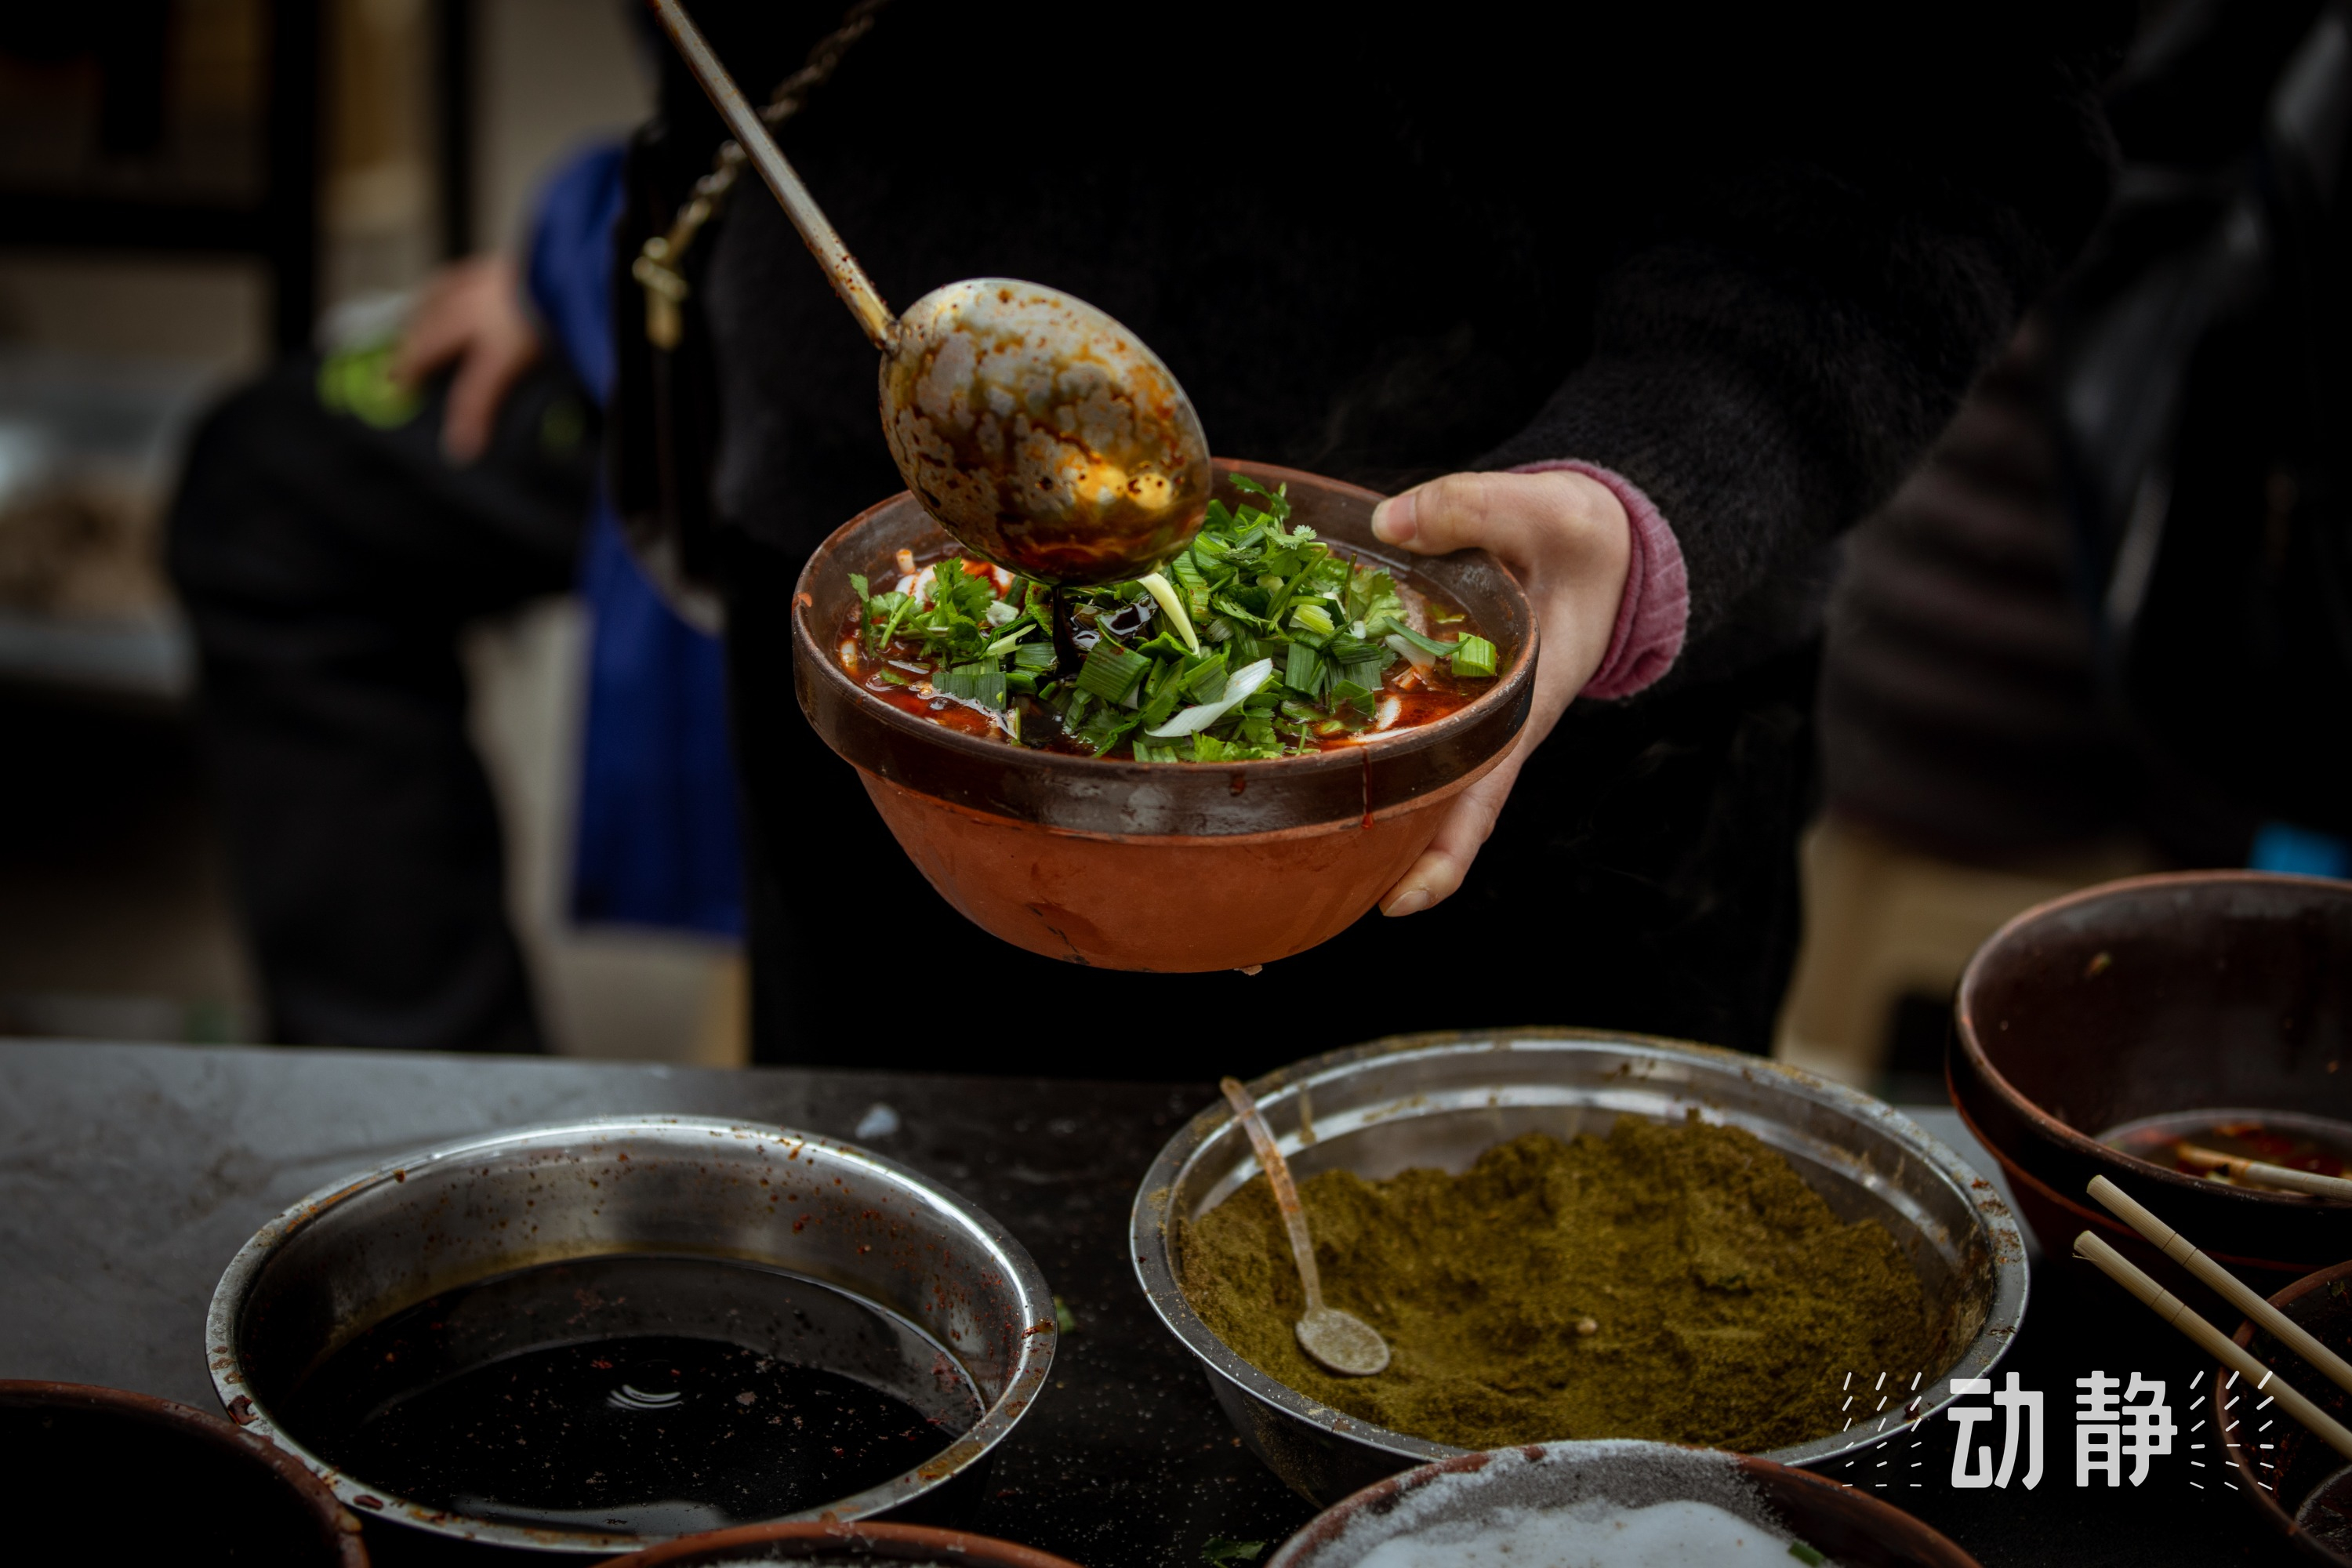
(1042, 434)
(1039, 432)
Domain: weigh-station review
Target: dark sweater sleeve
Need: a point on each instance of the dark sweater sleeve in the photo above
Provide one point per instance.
(1781, 338)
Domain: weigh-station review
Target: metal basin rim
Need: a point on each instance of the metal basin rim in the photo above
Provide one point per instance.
(224, 1341)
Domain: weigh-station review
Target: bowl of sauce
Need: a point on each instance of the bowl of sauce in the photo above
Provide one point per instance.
(599, 1335)
(2120, 1030)
(1072, 793)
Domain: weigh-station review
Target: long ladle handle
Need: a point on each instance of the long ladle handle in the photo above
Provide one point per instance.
(849, 279)
(1277, 1176)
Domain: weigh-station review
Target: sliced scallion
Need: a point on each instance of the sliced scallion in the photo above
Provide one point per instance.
(1194, 719)
(1473, 655)
(1110, 671)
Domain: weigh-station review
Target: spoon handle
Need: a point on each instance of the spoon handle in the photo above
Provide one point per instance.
(1277, 1176)
(849, 279)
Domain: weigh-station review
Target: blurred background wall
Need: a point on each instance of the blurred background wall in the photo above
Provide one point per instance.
(189, 188)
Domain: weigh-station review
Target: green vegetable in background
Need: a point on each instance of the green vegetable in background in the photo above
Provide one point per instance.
(1221, 1550)
(1287, 644)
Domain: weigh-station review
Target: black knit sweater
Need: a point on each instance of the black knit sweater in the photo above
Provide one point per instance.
(1749, 258)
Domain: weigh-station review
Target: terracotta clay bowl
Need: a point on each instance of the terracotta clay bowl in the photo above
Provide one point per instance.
(1166, 866)
(84, 1463)
(2159, 995)
(838, 1543)
(1852, 1527)
(2279, 1479)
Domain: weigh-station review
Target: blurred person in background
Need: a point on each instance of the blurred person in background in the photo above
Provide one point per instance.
(340, 523)
(2118, 595)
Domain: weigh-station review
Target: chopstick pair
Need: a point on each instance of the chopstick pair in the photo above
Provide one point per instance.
(2178, 1313)
(2285, 1177)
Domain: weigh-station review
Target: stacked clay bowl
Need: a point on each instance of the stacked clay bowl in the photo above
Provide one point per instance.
(2223, 990)
(1165, 867)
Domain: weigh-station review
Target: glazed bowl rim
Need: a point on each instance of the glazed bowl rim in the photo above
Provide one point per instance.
(1967, 1040)
(2265, 1499)
(317, 1498)
(1150, 1224)
(1032, 1361)
(1293, 1552)
(931, 1538)
(1092, 770)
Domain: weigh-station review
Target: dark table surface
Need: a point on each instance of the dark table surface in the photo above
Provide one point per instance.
(129, 1175)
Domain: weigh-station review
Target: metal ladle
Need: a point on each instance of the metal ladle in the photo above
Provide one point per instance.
(1336, 1341)
(1038, 431)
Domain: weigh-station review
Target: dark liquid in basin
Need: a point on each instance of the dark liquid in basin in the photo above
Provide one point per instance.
(643, 1396)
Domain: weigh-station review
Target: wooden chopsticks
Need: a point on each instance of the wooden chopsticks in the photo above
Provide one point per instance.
(2178, 1313)
(2268, 1174)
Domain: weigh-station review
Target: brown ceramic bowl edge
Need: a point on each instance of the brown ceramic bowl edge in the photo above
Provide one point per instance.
(2037, 1122)
(1506, 703)
(918, 1538)
(1271, 836)
(2263, 1497)
(317, 1498)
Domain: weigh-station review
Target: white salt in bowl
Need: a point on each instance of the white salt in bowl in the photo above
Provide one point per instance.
(1624, 1504)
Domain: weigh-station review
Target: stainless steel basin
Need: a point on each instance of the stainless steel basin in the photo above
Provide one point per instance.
(352, 1255)
(1441, 1100)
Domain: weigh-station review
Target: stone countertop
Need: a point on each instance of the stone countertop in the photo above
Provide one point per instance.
(129, 1175)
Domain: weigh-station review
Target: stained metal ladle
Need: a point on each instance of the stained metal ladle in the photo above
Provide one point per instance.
(1038, 431)
(1337, 1342)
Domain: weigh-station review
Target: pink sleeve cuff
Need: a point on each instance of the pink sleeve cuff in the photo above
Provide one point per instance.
(1652, 616)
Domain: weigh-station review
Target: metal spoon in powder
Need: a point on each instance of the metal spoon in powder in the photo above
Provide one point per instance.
(1336, 1341)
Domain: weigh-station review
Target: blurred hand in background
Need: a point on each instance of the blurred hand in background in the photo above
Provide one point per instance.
(470, 314)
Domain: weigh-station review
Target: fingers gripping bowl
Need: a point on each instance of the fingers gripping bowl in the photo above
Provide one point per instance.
(1163, 865)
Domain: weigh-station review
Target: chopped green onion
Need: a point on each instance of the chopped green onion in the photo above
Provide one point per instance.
(980, 683)
(1193, 720)
(1033, 656)
(1473, 655)
(1391, 626)
(1314, 618)
(1111, 671)
(1305, 671)
(1210, 676)
(1159, 589)
(1806, 1554)
(1007, 644)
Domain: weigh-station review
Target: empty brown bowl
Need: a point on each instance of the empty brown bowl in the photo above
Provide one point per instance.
(830, 1545)
(1165, 867)
(100, 1474)
(2281, 1481)
(2209, 990)
(1437, 1502)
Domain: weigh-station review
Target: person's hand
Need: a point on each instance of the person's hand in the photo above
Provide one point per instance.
(1568, 540)
(471, 313)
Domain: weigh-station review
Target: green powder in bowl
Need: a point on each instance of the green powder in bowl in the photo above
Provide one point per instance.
(1675, 1282)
